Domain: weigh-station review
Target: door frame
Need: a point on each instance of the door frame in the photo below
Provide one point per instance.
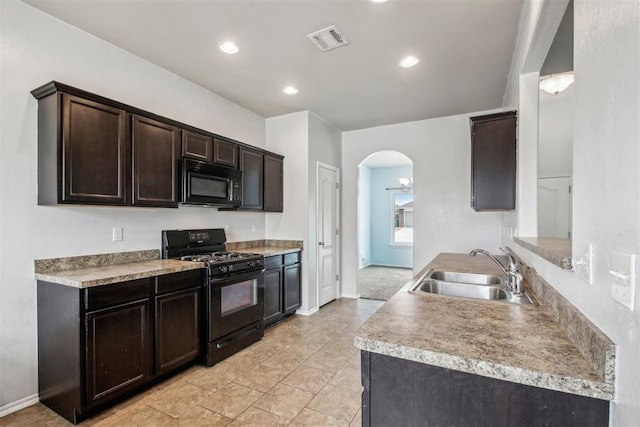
(338, 227)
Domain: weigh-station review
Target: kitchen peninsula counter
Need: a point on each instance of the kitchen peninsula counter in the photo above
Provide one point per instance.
(104, 269)
(516, 343)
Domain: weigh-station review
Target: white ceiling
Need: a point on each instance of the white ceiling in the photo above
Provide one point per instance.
(464, 46)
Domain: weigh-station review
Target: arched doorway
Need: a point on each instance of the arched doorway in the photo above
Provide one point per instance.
(384, 224)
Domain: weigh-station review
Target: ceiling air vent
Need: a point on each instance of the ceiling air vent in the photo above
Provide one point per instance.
(328, 38)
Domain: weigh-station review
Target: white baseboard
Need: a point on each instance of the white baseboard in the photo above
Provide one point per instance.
(307, 312)
(12, 407)
(349, 295)
(388, 265)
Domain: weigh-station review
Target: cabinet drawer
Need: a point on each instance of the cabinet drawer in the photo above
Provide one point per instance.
(178, 281)
(292, 258)
(118, 293)
(273, 262)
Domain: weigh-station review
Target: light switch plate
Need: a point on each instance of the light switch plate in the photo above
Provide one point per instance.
(623, 281)
(583, 263)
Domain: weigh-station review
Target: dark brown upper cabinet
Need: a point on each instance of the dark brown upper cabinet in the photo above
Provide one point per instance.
(83, 152)
(251, 165)
(155, 163)
(225, 153)
(94, 150)
(493, 161)
(273, 183)
(197, 146)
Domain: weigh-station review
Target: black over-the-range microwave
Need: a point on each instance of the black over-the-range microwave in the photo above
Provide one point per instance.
(210, 185)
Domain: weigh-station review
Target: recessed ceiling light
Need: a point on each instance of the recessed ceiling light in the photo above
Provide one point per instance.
(290, 90)
(377, 1)
(409, 61)
(229, 47)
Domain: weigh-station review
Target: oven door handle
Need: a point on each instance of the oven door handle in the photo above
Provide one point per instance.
(236, 279)
(223, 344)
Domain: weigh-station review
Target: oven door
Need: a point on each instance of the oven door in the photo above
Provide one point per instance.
(234, 302)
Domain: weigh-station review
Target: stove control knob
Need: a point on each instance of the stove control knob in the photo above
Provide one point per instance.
(252, 263)
(223, 269)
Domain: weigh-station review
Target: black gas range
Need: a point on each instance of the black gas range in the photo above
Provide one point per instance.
(233, 293)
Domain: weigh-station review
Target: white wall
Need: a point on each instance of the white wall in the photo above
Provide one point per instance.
(444, 220)
(304, 139)
(606, 177)
(289, 136)
(364, 216)
(37, 48)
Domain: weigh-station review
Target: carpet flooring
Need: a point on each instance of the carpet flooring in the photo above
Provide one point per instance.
(375, 282)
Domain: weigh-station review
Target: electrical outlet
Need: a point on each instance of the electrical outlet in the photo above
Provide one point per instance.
(227, 228)
(116, 233)
(623, 271)
(253, 228)
(583, 263)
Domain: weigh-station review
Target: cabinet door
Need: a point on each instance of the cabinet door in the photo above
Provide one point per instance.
(251, 167)
(225, 153)
(155, 163)
(292, 297)
(197, 146)
(493, 154)
(273, 183)
(118, 350)
(95, 153)
(177, 329)
(273, 283)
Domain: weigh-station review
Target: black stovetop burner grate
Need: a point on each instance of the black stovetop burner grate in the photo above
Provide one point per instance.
(219, 257)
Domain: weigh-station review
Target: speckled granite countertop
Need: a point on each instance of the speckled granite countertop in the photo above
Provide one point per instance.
(104, 269)
(270, 250)
(517, 343)
(266, 247)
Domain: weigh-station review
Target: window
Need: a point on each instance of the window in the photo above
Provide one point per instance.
(402, 233)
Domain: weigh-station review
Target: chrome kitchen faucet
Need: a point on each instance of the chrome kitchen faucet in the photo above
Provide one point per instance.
(513, 276)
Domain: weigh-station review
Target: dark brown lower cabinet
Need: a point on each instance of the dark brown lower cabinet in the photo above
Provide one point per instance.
(273, 295)
(282, 281)
(100, 345)
(118, 350)
(292, 278)
(402, 392)
(177, 329)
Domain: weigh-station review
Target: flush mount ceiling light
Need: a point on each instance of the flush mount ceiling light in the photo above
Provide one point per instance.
(409, 61)
(377, 1)
(556, 83)
(290, 90)
(229, 47)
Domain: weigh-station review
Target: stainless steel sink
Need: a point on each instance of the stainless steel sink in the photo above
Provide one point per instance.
(473, 278)
(467, 285)
(464, 290)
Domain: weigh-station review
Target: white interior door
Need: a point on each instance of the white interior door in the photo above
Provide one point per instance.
(554, 207)
(327, 233)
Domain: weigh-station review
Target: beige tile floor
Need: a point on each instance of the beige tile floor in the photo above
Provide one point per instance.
(304, 372)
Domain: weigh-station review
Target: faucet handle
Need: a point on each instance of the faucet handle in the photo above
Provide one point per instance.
(513, 263)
